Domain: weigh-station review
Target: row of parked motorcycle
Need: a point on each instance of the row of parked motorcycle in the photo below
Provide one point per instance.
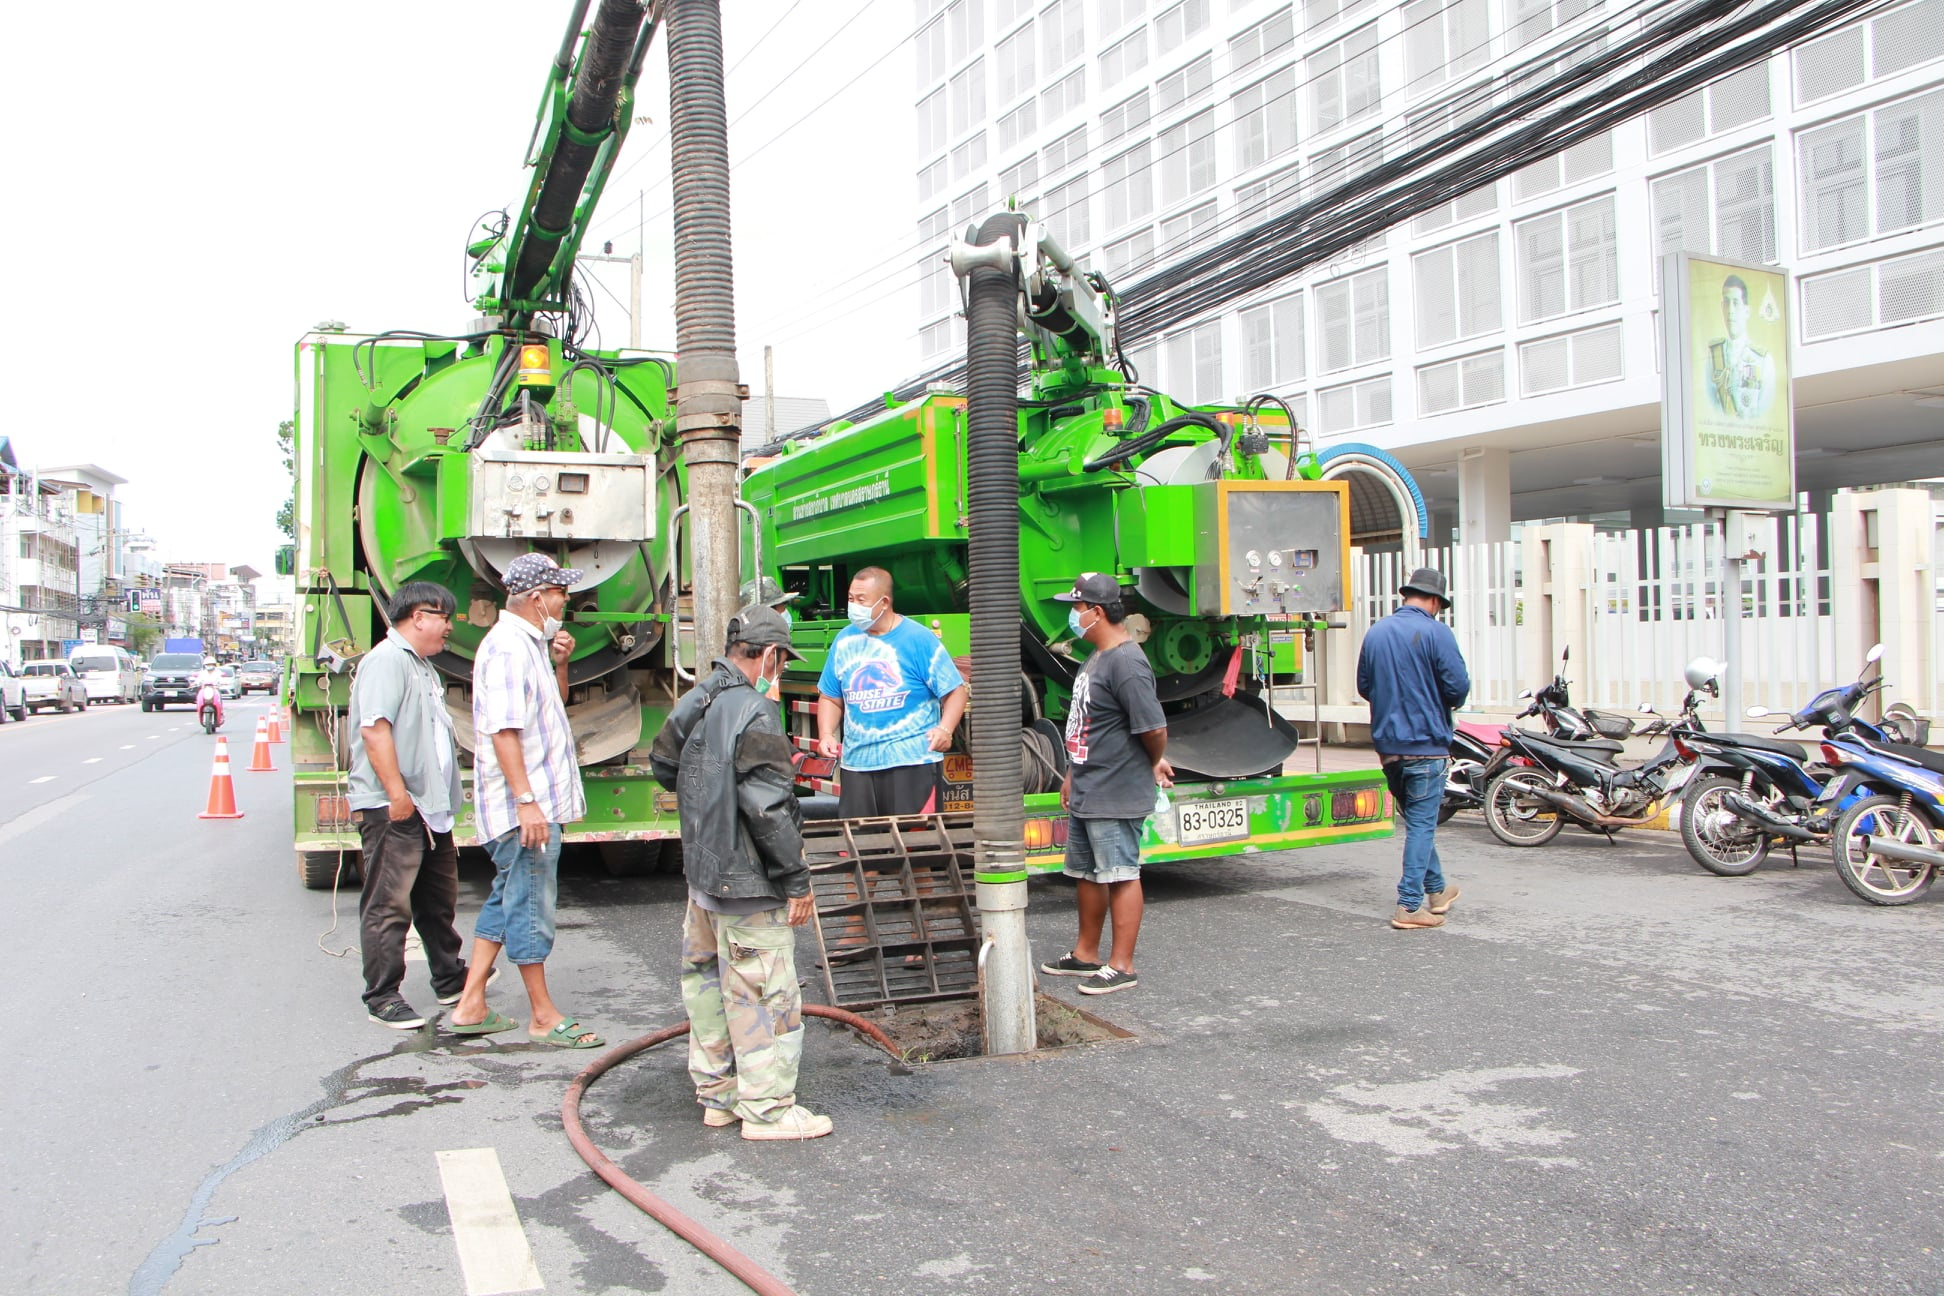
(1873, 793)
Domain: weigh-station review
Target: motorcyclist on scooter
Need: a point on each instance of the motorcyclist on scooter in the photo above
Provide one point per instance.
(211, 679)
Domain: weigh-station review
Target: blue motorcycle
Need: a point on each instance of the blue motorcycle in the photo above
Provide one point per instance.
(1888, 841)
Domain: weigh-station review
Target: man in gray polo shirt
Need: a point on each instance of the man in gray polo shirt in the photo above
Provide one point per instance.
(404, 789)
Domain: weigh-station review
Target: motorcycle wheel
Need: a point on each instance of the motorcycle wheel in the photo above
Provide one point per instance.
(1514, 815)
(209, 722)
(1719, 841)
(1871, 877)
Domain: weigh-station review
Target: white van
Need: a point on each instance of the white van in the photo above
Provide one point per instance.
(111, 674)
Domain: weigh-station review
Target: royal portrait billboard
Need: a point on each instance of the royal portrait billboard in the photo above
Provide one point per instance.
(1727, 419)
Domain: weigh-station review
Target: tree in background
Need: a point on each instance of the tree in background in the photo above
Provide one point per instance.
(287, 515)
(143, 631)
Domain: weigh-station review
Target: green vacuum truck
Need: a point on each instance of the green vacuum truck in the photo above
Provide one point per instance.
(441, 457)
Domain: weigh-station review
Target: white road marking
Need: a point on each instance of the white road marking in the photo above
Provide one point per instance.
(153, 737)
(39, 815)
(493, 1249)
(45, 778)
(128, 746)
(92, 760)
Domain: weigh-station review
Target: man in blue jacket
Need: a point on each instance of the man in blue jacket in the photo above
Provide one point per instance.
(1413, 676)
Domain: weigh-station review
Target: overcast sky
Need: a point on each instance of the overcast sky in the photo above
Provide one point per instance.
(195, 185)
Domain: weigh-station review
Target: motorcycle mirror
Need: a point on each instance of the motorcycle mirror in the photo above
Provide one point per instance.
(1566, 653)
(1647, 708)
(1874, 655)
(1757, 712)
(1525, 693)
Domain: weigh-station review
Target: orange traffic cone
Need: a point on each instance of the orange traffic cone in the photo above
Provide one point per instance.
(260, 754)
(222, 789)
(276, 730)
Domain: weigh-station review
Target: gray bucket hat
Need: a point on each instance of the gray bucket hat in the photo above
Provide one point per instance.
(1427, 581)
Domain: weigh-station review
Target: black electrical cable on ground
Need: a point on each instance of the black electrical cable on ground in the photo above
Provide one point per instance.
(745, 1270)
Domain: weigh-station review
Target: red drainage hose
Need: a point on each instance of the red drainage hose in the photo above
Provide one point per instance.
(747, 1271)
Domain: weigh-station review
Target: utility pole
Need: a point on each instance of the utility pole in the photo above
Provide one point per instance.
(634, 289)
(769, 394)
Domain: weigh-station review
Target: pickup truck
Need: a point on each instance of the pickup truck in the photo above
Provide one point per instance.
(53, 684)
(13, 692)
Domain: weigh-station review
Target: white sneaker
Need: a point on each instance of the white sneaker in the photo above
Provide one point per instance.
(717, 1118)
(794, 1123)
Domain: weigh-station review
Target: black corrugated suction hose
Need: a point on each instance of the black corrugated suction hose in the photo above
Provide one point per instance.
(992, 479)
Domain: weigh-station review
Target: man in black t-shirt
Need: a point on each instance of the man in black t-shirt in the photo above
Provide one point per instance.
(1116, 738)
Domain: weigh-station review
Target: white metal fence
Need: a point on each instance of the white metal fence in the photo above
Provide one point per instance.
(1484, 583)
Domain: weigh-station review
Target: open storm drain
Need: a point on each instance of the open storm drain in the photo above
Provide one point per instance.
(948, 1030)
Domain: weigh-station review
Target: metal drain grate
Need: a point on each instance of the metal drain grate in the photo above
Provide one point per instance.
(897, 917)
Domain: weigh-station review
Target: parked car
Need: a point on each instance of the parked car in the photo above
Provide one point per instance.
(53, 684)
(259, 675)
(171, 677)
(109, 674)
(13, 692)
(231, 686)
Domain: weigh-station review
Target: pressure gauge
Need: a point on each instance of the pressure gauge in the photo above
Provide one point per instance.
(1254, 559)
(1275, 557)
(516, 482)
(542, 485)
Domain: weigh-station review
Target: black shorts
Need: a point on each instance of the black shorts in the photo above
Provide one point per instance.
(901, 790)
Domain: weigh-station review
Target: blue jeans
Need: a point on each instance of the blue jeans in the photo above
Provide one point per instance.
(1423, 783)
(519, 914)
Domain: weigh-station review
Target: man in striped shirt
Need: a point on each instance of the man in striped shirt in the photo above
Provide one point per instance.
(526, 784)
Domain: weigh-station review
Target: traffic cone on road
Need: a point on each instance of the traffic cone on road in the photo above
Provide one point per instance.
(222, 789)
(260, 754)
(276, 730)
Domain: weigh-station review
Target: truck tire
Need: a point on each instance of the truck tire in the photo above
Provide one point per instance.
(66, 705)
(319, 869)
(20, 713)
(627, 859)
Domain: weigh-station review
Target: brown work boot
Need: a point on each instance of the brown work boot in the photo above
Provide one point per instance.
(1412, 919)
(1440, 901)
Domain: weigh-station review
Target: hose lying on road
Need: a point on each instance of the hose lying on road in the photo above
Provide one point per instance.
(747, 1271)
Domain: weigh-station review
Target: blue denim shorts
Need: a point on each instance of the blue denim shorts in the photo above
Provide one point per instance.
(1104, 850)
(519, 913)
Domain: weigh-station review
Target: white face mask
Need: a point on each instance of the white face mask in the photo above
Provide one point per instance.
(549, 626)
(863, 615)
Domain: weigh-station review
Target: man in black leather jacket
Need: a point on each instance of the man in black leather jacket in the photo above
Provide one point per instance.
(724, 753)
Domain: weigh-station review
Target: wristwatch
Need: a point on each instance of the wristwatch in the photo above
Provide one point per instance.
(525, 798)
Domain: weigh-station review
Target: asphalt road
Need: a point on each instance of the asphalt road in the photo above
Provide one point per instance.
(1610, 1073)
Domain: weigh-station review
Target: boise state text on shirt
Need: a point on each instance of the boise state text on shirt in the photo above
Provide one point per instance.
(890, 685)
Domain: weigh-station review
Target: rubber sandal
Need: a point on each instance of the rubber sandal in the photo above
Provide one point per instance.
(494, 1022)
(568, 1034)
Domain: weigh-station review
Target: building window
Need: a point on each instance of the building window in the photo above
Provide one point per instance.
(1844, 197)
(1319, 13)
(935, 285)
(1462, 383)
(1270, 196)
(1188, 158)
(1902, 290)
(1128, 186)
(931, 123)
(1017, 126)
(1123, 58)
(1482, 201)
(1527, 20)
(1116, 14)
(932, 227)
(1867, 51)
(1272, 344)
(1570, 360)
(1176, 25)
(1584, 161)
(1344, 163)
(1265, 119)
(1186, 84)
(1568, 260)
(946, 336)
(1129, 255)
(1012, 65)
(1735, 100)
(1353, 320)
(931, 180)
(1185, 232)
(1004, 11)
(1443, 40)
(1192, 360)
(1066, 151)
(969, 206)
(1457, 291)
(929, 45)
(1066, 214)
(1019, 178)
(1063, 35)
(1354, 405)
(1343, 79)
(1064, 95)
(962, 21)
(968, 98)
(1124, 118)
(1265, 40)
(969, 157)
(1725, 208)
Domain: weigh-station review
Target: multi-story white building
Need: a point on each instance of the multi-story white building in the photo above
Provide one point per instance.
(38, 604)
(1504, 346)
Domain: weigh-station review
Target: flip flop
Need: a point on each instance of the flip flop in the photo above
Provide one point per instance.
(568, 1034)
(494, 1022)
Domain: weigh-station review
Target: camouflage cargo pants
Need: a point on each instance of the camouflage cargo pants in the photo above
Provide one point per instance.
(739, 984)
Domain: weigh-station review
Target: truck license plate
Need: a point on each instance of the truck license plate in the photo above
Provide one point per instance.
(1213, 821)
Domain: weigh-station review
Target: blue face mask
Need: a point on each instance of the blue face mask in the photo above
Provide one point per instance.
(787, 618)
(1073, 623)
(862, 615)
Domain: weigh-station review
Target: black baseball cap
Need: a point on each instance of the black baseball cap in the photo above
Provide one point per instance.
(1097, 588)
(762, 627)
